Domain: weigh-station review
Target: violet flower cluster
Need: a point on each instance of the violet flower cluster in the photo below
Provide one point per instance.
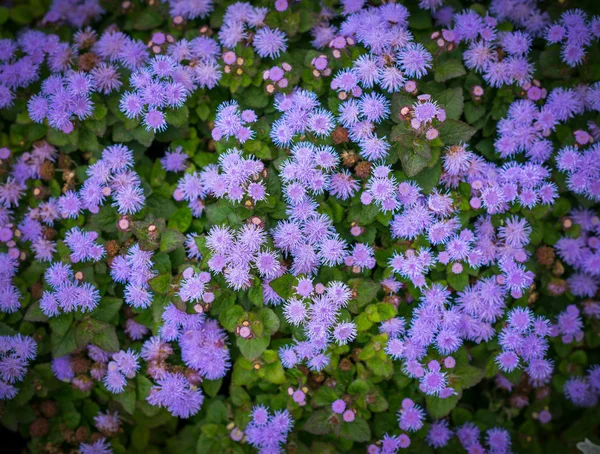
(66, 293)
(134, 270)
(162, 84)
(574, 31)
(268, 431)
(230, 121)
(112, 175)
(15, 354)
(317, 309)
(9, 292)
(241, 20)
(236, 254)
(235, 177)
(582, 254)
(523, 342)
(123, 366)
(309, 172)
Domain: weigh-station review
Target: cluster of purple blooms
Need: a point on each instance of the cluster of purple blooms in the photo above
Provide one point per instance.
(412, 346)
(575, 32)
(308, 172)
(123, 366)
(392, 57)
(582, 254)
(190, 9)
(527, 125)
(205, 351)
(236, 253)
(483, 56)
(83, 245)
(569, 325)
(310, 239)
(584, 391)
(203, 344)
(162, 84)
(113, 176)
(32, 226)
(235, 177)
(75, 13)
(9, 292)
(66, 293)
(523, 14)
(192, 287)
(267, 431)
(197, 63)
(15, 354)
(410, 418)
(582, 169)
(174, 392)
(241, 20)
(230, 121)
(523, 342)
(134, 270)
(64, 97)
(21, 61)
(317, 309)
(302, 114)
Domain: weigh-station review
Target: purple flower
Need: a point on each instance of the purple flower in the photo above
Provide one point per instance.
(439, 434)
(414, 60)
(410, 416)
(174, 161)
(62, 368)
(269, 42)
(108, 423)
(175, 393)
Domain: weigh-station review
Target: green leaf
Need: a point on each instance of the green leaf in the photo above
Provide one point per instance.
(230, 317)
(439, 408)
(357, 430)
(453, 132)
(61, 324)
(127, 398)
(453, 102)
(35, 314)
(140, 436)
(107, 309)
(4, 13)
(457, 281)
(366, 290)
(269, 319)
(253, 348)
(105, 336)
(283, 286)
(177, 117)
(449, 69)
(161, 283)
(468, 376)
(63, 344)
(211, 387)
(181, 219)
(171, 240)
(412, 163)
(147, 19)
(318, 423)
(473, 112)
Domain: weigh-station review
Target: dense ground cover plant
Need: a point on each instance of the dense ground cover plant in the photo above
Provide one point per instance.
(300, 226)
